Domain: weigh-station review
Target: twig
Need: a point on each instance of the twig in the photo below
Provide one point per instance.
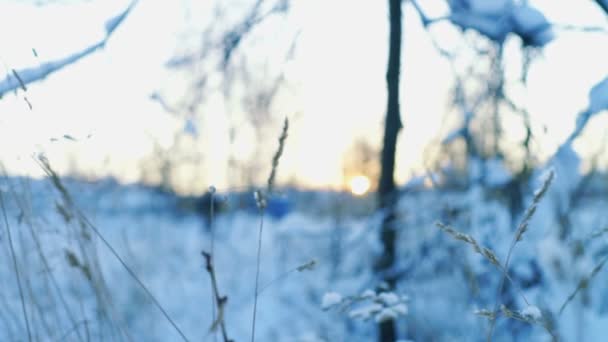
(17, 273)
(310, 265)
(220, 301)
(212, 233)
(22, 205)
(261, 202)
(211, 216)
(583, 283)
(257, 272)
(132, 274)
(73, 329)
(277, 156)
(576, 28)
(16, 74)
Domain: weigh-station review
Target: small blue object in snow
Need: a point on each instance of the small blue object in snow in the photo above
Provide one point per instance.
(276, 207)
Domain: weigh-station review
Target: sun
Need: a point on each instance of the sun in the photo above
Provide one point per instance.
(359, 185)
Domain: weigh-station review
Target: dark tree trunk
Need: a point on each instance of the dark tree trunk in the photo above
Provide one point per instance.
(603, 5)
(386, 187)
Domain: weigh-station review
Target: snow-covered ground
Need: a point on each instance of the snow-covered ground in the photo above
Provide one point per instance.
(91, 294)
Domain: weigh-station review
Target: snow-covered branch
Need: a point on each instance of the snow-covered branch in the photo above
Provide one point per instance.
(21, 78)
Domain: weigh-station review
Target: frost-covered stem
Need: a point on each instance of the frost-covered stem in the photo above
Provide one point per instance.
(304, 267)
(212, 243)
(17, 273)
(521, 229)
(220, 301)
(497, 90)
(483, 251)
(257, 273)
(56, 181)
(46, 264)
(277, 157)
(129, 270)
(73, 329)
(212, 217)
(261, 202)
(583, 283)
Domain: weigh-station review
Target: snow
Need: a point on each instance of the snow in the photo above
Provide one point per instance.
(30, 75)
(455, 134)
(162, 242)
(334, 301)
(496, 19)
(388, 298)
(532, 312)
(493, 8)
(489, 8)
(330, 299)
(112, 24)
(598, 101)
(598, 97)
(400, 309)
(566, 164)
(366, 312)
(531, 25)
(489, 172)
(494, 28)
(368, 294)
(190, 128)
(19, 79)
(382, 307)
(496, 174)
(385, 315)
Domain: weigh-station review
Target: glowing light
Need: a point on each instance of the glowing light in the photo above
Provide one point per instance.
(359, 185)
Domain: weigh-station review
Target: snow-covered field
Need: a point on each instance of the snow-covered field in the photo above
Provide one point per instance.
(75, 289)
(103, 261)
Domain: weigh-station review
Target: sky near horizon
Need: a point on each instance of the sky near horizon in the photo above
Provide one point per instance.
(103, 101)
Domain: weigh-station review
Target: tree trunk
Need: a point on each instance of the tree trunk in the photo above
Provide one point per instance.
(603, 5)
(386, 187)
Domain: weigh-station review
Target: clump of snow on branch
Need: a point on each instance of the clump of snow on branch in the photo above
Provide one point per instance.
(532, 312)
(566, 164)
(531, 25)
(368, 305)
(496, 19)
(598, 96)
(19, 79)
(598, 101)
(331, 299)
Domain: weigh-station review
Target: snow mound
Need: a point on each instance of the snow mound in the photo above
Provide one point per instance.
(496, 19)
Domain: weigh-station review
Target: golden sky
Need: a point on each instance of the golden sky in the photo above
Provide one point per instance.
(337, 75)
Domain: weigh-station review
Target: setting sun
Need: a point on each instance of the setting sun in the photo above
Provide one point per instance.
(359, 185)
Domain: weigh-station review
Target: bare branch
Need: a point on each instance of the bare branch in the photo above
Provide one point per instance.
(219, 300)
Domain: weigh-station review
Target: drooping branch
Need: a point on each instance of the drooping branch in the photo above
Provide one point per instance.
(19, 79)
